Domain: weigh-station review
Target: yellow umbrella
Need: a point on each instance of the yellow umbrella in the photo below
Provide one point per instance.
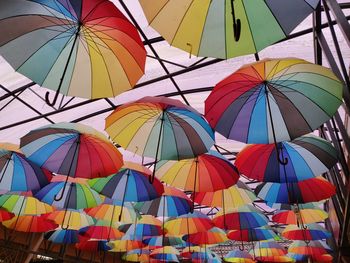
(71, 219)
(302, 216)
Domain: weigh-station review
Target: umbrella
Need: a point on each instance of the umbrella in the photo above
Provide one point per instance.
(76, 219)
(137, 255)
(160, 128)
(125, 244)
(310, 190)
(309, 248)
(69, 39)
(309, 232)
(17, 173)
(165, 250)
(317, 258)
(294, 217)
(273, 100)
(63, 236)
(93, 245)
(146, 226)
(267, 252)
(160, 241)
(281, 206)
(30, 223)
(212, 236)
(128, 185)
(165, 257)
(225, 29)
(232, 197)
(238, 256)
(308, 156)
(174, 201)
(101, 230)
(5, 215)
(254, 234)
(270, 259)
(205, 173)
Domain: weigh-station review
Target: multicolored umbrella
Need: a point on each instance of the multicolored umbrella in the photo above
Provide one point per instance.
(244, 217)
(310, 205)
(308, 156)
(93, 245)
(263, 102)
(315, 258)
(137, 255)
(166, 253)
(254, 234)
(146, 226)
(173, 202)
(63, 236)
(232, 197)
(160, 241)
(238, 256)
(5, 215)
(205, 173)
(165, 258)
(101, 230)
(70, 39)
(310, 190)
(297, 216)
(212, 236)
(124, 245)
(270, 259)
(267, 252)
(225, 29)
(160, 128)
(310, 248)
(308, 232)
(30, 223)
(71, 219)
(72, 149)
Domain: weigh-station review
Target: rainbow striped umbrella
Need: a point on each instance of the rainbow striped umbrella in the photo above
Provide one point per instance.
(310, 248)
(307, 232)
(70, 219)
(63, 236)
(263, 102)
(93, 245)
(137, 255)
(305, 216)
(125, 244)
(70, 39)
(146, 226)
(270, 259)
(160, 241)
(160, 128)
(238, 256)
(17, 173)
(315, 258)
(308, 156)
(212, 236)
(101, 230)
(166, 253)
(30, 224)
(254, 234)
(225, 29)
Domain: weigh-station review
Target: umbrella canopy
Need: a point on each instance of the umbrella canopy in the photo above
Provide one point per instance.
(212, 236)
(232, 197)
(165, 257)
(308, 156)
(24, 205)
(263, 102)
(30, 223)
(70, 39)
(306, 216)
(137, 255)
(238, 256)
(76, 196)
(244, 217)
(267, 252)
(142, 228)
(310, 205)
(268, 244)
(311, 248)
(188, 224)
(165, 250)
(5, 215)
(17, 173)
(63, 236)
(72, 149)
(225, 29)
(101, 230)
(124, 245)
(310, 190)
(160, 128)
(160, 241)
(317, 258)
(255, 234)
(310, 232)
(173, 202)
(270, 259)
(70, 219)
(93, 245)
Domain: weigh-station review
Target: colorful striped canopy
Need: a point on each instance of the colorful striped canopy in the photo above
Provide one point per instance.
(101, 230)
(30, 224)
(68, 39)
(165, 257)
(310, 248)
(137, 255)
(63, 236)
(312, 232)
(206, 173)
(124, 245)
(299, 95)
(173, 202)
(93, 245)
(165, 250)
(244, 217)
(315, 258)
(70, 219)
(5, 215)
(310, 190)
(268, 244)
(232, 197)
(270, 259)
(205, 28)
(212, 236)
(72, 149)
(17, 173)
(305, 216)
(75, 195)
(160, 128)
(160, 241)
(308, 156)
(141, 231)
(128, 185)
(254, 234)
(24, 205)
(267, 252)
(238, 256)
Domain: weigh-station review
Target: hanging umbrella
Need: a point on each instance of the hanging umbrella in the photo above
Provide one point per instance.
(93, 245)
(225, 29)
(294, 217)
(17, 173)
(232, 197)
(212, 236)
(174, 201)
(30, 223)
(310, 190)
(273, 100)
(309, 232)
(101, 230)
(125, 244)
(310, 205)
(305, 258)
(254, 234)
(5, 215)
(308, 156)
(267, 252)
(165, 250)
(160, 241)
(69, 39)
(238, 256)
(63, 236)
(137, 255)
(165, 258)
(128, 186)
(70, 219)
(205, 173)
(244, 217)
(160, 128)
(310, 248)
(270, 259)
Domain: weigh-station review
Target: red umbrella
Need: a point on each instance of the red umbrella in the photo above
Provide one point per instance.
(5, 215)
(30, 223)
